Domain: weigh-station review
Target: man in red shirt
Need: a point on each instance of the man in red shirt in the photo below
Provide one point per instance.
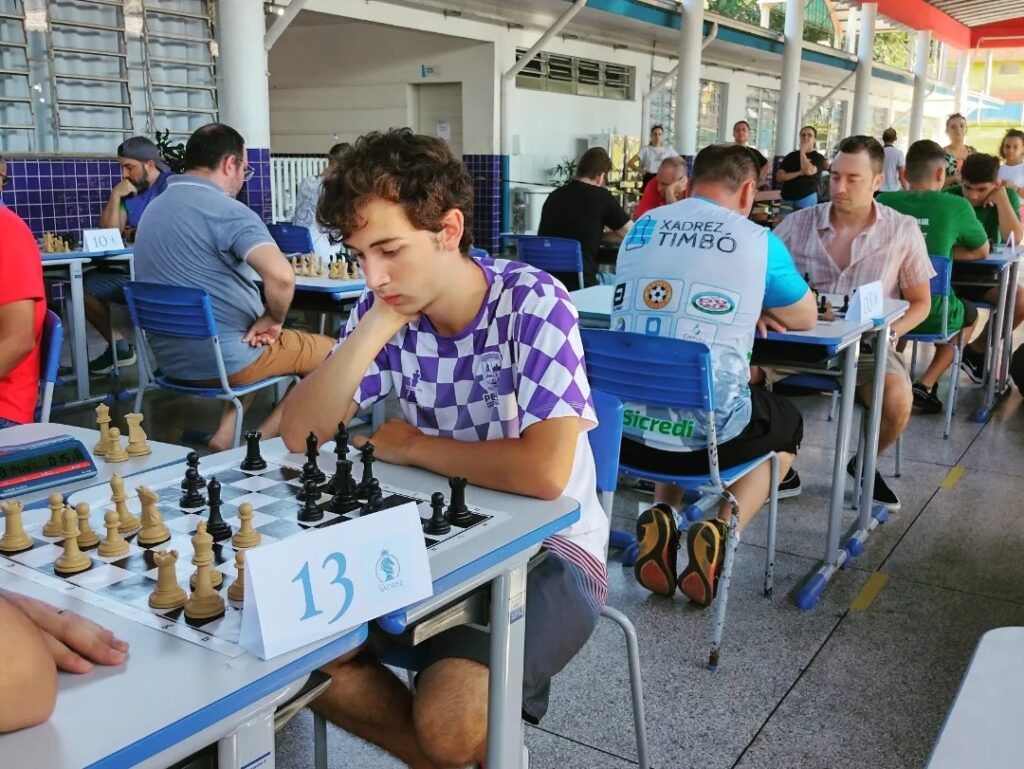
(667, 187)
(22, 309)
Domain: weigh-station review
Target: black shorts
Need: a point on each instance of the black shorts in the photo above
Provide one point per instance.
(970, 311)
(775, 425)
(972, 294)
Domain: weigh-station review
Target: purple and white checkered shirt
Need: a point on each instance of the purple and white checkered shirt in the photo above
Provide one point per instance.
(519, 362)
(891, 250)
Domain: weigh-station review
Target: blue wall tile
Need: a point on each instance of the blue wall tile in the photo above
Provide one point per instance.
(485, 171)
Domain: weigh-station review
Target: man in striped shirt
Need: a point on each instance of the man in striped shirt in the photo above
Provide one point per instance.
(485, 359)
(852, 241)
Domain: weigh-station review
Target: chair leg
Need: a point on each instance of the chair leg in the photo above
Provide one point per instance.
(859, 471)
(834, 407)
(913, 360)
(239, 414)
(954, 377)
(319, 741)
(636, 686)
(773, 513)
(142, 368)
(722, 599)
(898, 470)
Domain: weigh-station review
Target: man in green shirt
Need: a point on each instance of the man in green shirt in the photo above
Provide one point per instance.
(998, 210)
(950, 229)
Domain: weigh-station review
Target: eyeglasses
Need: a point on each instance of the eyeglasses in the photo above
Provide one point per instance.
(248, 173)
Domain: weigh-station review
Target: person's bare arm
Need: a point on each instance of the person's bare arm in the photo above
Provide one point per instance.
(802, 315)
(278, 287)
(902, 171)
(807, 167)
(113, 215)
(28, 675)
(965, 254)
(1009, 221)
(920, 298)
(537, 464)
(17, 337)
(785, 176)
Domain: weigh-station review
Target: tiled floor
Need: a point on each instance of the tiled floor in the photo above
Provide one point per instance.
(826, 689)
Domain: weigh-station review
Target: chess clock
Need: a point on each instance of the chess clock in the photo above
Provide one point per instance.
(28, 467)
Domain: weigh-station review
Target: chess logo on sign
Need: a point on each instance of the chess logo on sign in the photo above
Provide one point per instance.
(657, 294)
(388, 571)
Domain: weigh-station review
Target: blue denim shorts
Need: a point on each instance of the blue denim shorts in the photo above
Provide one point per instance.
(106, 283)
(7, 423)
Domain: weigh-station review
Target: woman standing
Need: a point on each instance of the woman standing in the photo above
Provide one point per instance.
(956, 151)
(650, 157)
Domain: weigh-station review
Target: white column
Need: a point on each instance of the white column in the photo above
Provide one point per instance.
(963, 72)
(244, 89)
(789, 92)
(691, 35)
(924, 39)
(988, 73)
(851, 29)
(865, 56)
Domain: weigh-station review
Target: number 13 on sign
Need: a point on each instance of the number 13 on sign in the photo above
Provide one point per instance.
(347, 589)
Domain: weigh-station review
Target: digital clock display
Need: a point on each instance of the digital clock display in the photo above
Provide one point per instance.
(63, 460)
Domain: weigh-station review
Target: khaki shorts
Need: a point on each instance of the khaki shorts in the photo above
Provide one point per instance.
(294, 352)
(895, 365)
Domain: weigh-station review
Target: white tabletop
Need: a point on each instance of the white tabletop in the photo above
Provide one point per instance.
(163, 454)
(983, 727)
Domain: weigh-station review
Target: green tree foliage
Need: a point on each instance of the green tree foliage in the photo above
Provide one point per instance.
(892, 47)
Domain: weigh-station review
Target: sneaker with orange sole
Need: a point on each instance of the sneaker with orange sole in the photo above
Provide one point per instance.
(705, 546)
(658, 545)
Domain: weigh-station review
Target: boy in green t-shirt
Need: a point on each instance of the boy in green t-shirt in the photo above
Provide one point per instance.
(998, 210)
(950, 229)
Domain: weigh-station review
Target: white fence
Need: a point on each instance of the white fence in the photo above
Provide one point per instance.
(285, 175)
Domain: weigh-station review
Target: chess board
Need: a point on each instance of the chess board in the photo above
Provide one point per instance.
(123, 584)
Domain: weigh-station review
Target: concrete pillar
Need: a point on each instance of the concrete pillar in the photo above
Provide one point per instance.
(924, 40)
(851, 29)
(789, 91)
(988, 73)
(691, 35)
(865, 56)
(963, 71)
(244, 89)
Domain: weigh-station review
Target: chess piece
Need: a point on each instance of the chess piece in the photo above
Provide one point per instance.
(846, 304)
(154, 531)
(310, 512)
(14, 540)
(129, 522)
(236, 591)
(192, 460)
(87, 538)
(364, 489)
(103, 422)
(168, 593)
(246, 536)
(137, 446)
(458, 514)
(72, 560)
(311, 456)
(373, 504)
(205, 602)
(340, 452)
(55, 526)
(437, 524)
(114, 545)
(115, 451)
(344, 499)
(254, 461)
(216, 526)
(192, 499)
(308, 474)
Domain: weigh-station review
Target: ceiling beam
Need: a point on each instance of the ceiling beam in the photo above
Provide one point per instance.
(1001, 34)
(918, 14)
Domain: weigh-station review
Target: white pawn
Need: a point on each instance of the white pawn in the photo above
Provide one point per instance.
(114, 545)
(236, 590)
(55, 526)
(115, 451)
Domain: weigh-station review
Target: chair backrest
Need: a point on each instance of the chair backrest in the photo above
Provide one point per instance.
(939, 285)
(170, 310)
(551, 254)
(606, 439)
(478, 253)
(49, 361)
(292, 238)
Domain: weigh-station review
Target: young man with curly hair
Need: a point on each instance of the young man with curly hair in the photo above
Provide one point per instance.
(486, 361)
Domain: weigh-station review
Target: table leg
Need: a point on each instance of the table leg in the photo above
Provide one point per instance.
(79, 351)
(505, 679)
(1008, 308)
(250, 745)
(993, 355)
(810, 593)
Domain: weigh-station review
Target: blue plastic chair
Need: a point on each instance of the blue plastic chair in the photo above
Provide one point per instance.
(939, 286)
(185, 313)
(291, 238)
(551, 254)
(677, 373)
(478, 253)
(49, 362)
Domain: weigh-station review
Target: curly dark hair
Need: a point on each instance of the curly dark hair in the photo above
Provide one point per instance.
(420, 173)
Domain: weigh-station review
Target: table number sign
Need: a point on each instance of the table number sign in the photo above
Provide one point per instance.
(866, 303)
(102, 240)
(325, 581)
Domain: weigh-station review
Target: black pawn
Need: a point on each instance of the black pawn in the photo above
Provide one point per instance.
(458, 513)
(846, 303)
(311, 455)
(365, 487)
(308, 474)
(192, 496)
(373, 504)
(344, 499)
(437, 524)
(217, 527)
(253, 461)
(192, 460)
(311, 511)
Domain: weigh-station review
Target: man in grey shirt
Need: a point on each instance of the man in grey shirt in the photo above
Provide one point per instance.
(197, 234)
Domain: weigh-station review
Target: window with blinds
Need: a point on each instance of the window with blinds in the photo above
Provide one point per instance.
(576, 76)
